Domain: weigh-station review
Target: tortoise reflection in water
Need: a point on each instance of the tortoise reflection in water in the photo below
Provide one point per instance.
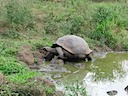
(69, 47)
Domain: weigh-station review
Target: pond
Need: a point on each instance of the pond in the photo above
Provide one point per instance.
(103, 74)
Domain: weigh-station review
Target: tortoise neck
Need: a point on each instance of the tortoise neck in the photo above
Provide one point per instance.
(52, 50)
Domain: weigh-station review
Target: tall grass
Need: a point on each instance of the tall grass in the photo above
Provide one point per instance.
(103, 22)
(109, 23)
(16, 17)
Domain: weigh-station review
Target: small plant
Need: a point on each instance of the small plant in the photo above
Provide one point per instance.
(75, 89)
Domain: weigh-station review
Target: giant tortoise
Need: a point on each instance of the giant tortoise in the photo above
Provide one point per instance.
(69, 47)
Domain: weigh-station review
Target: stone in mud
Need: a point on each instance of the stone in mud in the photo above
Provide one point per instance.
(53, 68)
(126, 88)
(75, 72)
(58, 82)
(79, 65)
(25, 55)
(112, 92)
(57, 61)
(34, 67)
(57, 76)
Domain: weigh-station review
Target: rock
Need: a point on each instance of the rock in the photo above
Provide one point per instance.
(100, 54)
(126, 88)
(76, 71)
(112, 92)
(79, 65)
(54, 68)
(58, 82)
(25, 55)
(35, 67)
(55, 60)
(57, 76)
(1, 77)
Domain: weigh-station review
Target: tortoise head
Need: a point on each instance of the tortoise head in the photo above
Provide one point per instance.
(89, 56)
(50, 53)
(49, 49)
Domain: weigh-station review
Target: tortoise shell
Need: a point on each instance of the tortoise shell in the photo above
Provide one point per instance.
(74, 44)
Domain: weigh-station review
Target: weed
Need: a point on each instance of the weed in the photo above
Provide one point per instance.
(75, 89)
(18, 15)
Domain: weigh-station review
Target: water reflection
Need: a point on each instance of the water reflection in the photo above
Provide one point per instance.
(110, 73)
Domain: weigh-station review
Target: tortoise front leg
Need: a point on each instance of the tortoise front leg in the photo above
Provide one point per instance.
(60, 52)
(89, 57)
(49, 56)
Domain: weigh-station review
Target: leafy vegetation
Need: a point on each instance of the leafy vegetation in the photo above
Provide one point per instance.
(31, 88)
(74, 89)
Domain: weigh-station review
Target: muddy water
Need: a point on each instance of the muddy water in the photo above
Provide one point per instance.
(105, 73)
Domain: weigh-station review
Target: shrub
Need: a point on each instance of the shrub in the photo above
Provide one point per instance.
(105, 19)
(70, 22)
(23, 89)
(9, 65)
(125, 45)
(18, 15)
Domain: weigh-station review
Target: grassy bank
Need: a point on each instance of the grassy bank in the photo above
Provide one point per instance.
(39, 23)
